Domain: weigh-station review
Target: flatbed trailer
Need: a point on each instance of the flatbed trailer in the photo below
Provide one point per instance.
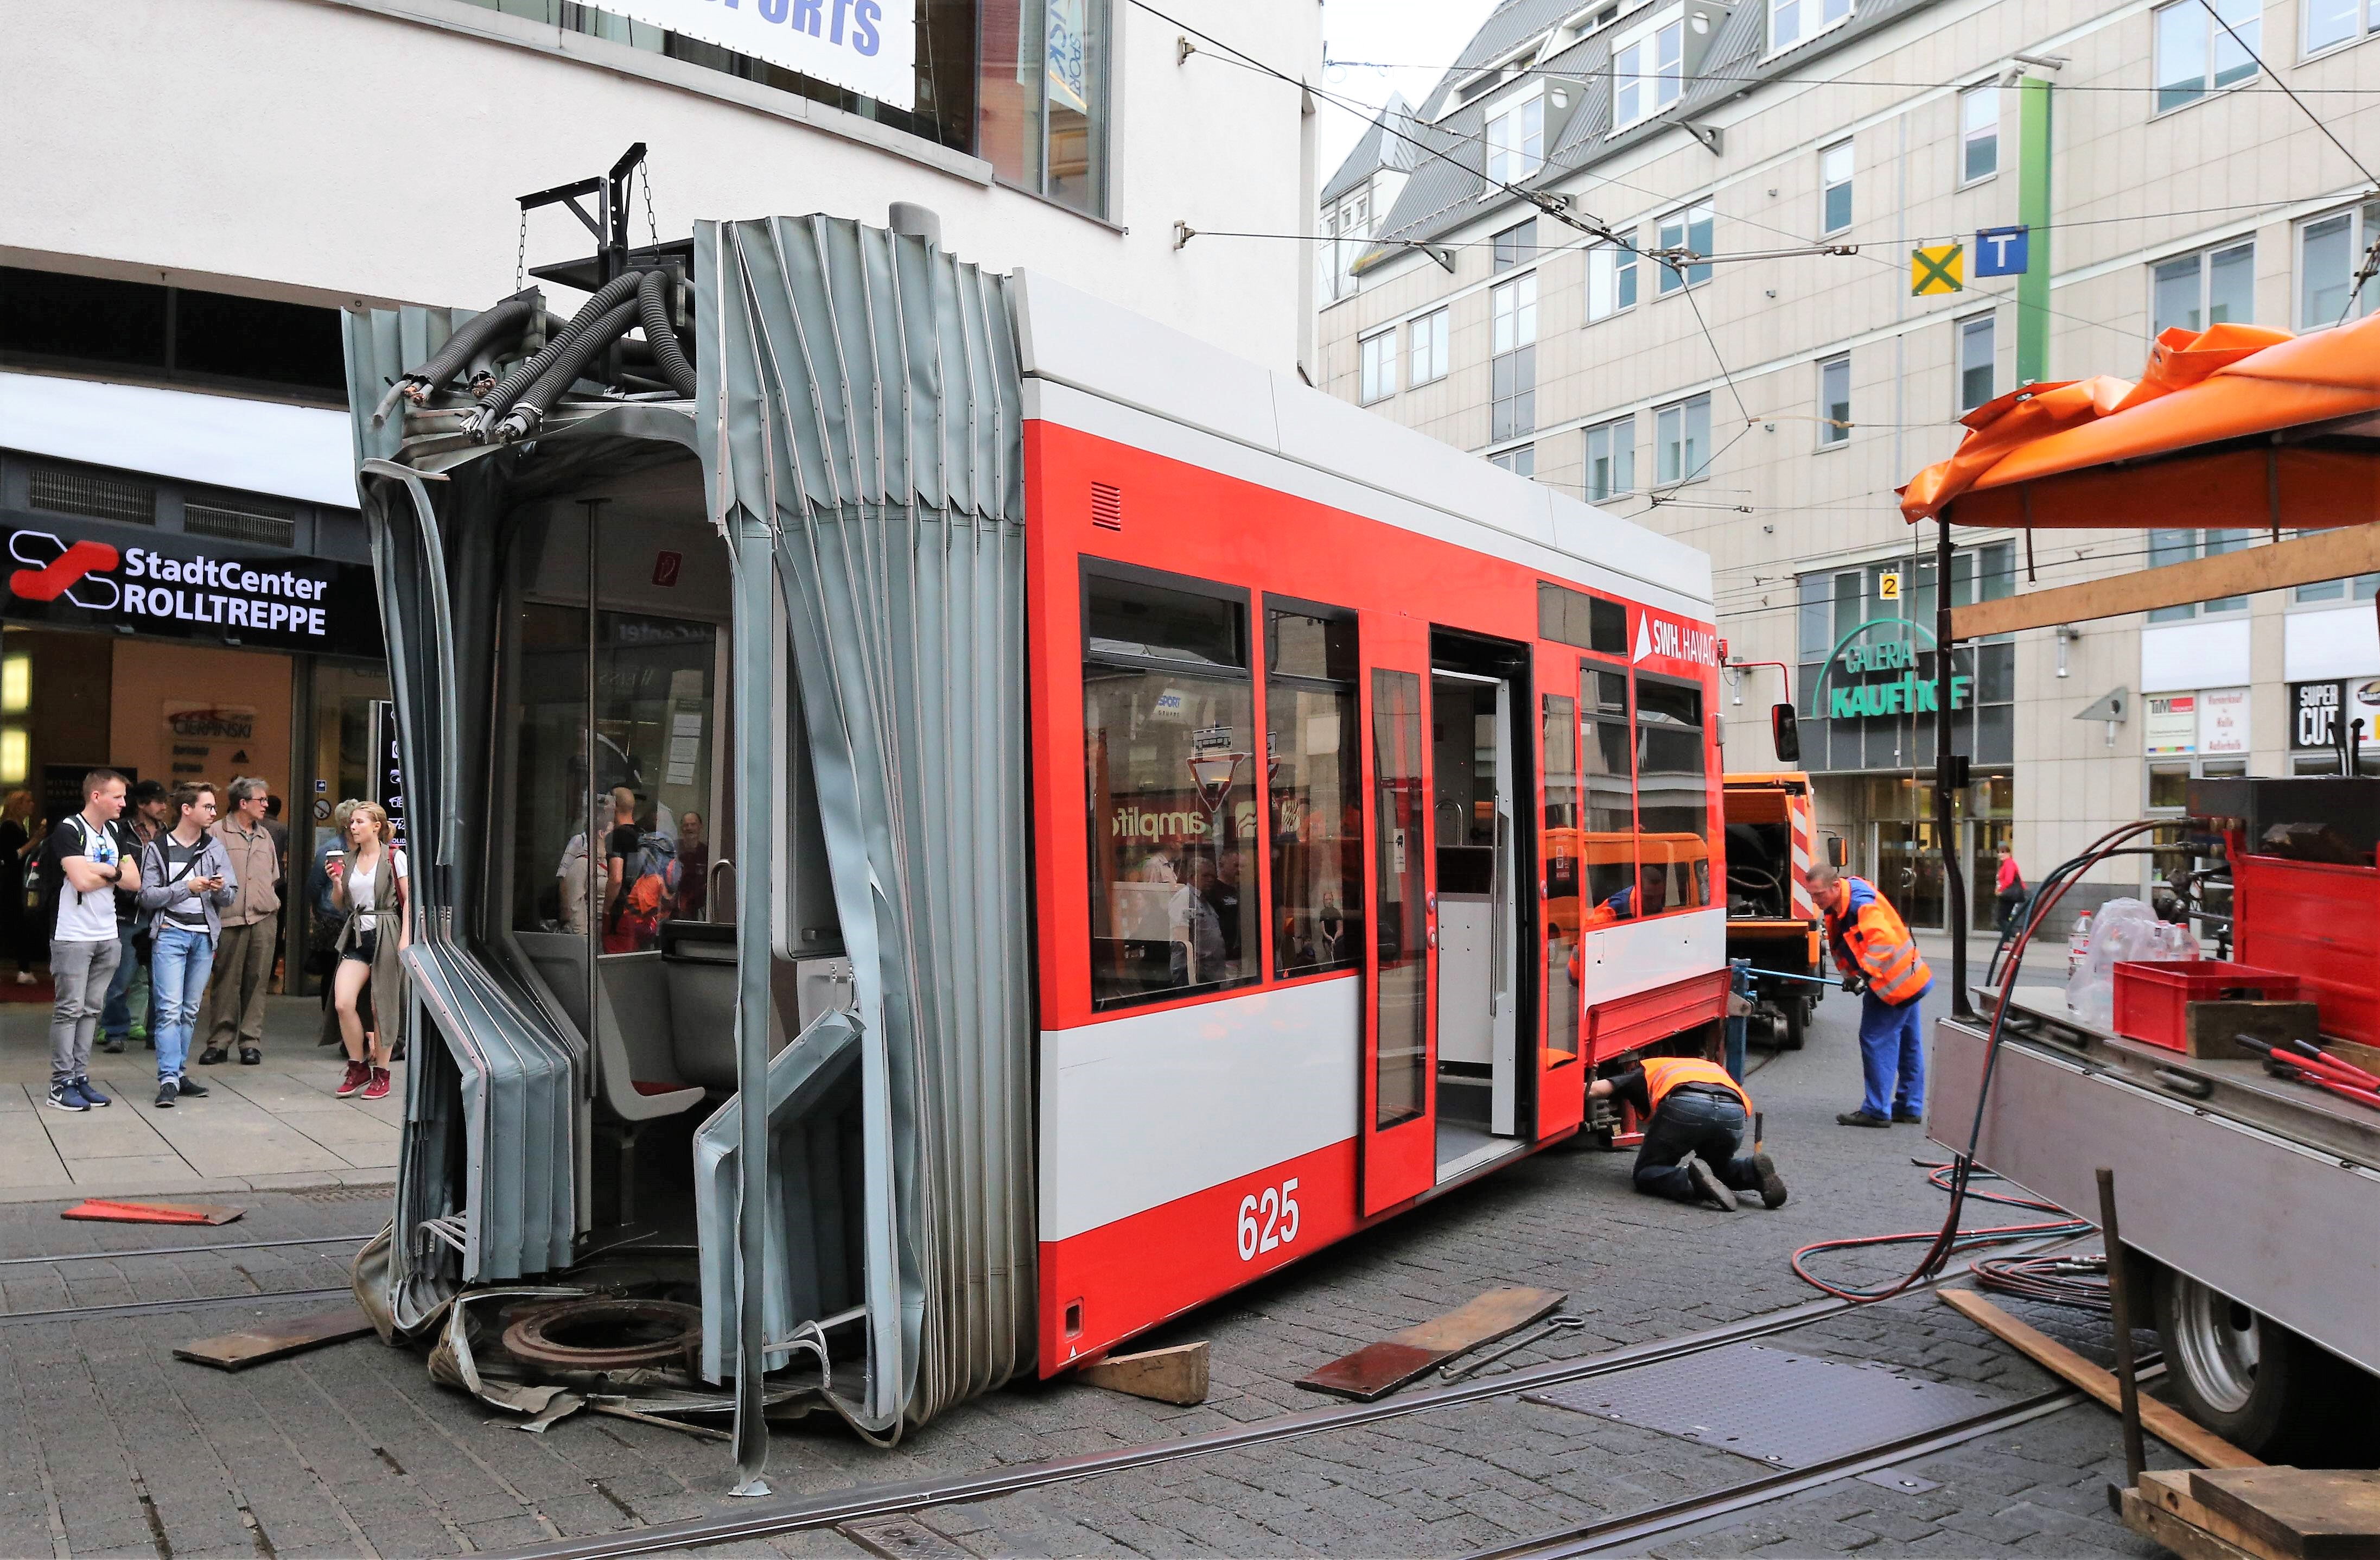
(2251, 1205)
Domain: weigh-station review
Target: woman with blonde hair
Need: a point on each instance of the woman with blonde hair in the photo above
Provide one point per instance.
(374, 893)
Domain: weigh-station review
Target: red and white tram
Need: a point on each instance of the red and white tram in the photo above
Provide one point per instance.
(1162, 818)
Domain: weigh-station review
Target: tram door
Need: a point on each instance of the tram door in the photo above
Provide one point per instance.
(1399, 1158)
(1472, 839)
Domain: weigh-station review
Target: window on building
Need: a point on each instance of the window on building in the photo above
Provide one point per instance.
(1610, 459)
(1429, 347)
(2330, 249)
(2329, 23)
(1648, 69)
(1834, 402)
(1512, 369)
(1610, 280)
(2181, 546)
(1687, 229)
(1379, 352)
(1517, 245)
(1835, 188)
(1672, 796)
(1979, 133)
(1607, 768)
(1830, 605)
(142, 331)
(1315, 793)
(1522, 462)
(1681, 441)
(1978, 361)
(2207, 288)
(2197, 54)
(2361, 588)
(1042, 80)
(1168, 732)
(1789, 21)
(1347, 230)
(1516, 141)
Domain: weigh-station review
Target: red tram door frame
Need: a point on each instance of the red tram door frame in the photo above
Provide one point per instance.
(1561, 871)
(1399, 1160)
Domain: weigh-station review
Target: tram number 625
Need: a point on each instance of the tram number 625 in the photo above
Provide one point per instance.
(1267, 1220)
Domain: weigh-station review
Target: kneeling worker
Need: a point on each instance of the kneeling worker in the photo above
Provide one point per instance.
(1693, 1117)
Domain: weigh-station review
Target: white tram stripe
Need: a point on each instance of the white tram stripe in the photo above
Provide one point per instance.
(1138, 1111)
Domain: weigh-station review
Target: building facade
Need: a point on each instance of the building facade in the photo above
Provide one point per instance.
(1720, 332)
(201, 187)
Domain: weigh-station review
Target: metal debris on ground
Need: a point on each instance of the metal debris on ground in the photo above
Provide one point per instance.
(1784, 1410)
(1378, 1369)
(238, 1351)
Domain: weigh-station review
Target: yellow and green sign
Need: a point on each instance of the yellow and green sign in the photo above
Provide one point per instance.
(1940, 268)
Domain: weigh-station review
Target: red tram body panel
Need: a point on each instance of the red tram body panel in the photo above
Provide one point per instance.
(1373, 809)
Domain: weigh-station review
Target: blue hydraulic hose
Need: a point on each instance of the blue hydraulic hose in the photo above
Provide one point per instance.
(1814, 980)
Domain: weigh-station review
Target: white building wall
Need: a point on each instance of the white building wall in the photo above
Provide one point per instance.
(368, 152)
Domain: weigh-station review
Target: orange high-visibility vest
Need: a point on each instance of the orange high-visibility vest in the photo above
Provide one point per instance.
(1665, 1073)
(1869, 934)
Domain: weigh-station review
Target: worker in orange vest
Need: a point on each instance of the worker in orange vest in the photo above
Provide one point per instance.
(1878, 959)
(1693, 1116)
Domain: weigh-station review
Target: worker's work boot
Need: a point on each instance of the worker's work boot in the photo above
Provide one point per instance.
(1908, 1114)
(1861, 1118)
(1772, 1185)
(1708, 1187)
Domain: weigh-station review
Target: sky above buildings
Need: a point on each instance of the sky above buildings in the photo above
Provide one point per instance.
(1420, 38)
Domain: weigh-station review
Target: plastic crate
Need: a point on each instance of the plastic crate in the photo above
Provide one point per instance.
(2153, 996)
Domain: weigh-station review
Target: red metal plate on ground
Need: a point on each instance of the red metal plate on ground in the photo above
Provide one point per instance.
(155, 1212)
(1377, 1370)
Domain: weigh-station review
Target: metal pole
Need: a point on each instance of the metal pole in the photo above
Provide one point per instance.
(2120, 1302)
(1945, 826)
(754, 671)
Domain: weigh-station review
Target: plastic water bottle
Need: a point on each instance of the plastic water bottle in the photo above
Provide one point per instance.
(2078, 944)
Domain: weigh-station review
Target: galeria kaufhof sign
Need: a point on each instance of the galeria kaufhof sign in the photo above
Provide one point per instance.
(1902, 682)
(84, 574)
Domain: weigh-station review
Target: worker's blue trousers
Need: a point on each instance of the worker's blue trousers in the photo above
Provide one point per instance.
(1892, 1041)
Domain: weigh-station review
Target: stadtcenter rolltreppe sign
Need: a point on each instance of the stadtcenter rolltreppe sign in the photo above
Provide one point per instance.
(867, 45)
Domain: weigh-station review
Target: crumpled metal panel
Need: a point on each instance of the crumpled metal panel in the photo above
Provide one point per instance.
(860, 398)
(495, 1093)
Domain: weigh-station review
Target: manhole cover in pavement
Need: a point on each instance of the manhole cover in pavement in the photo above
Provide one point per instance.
(1784, 1410)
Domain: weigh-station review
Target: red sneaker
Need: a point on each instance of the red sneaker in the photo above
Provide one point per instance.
(378, 1088)
(358, 1076)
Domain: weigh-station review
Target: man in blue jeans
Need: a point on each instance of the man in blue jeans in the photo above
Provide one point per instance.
(147, 811)
(1879, 960)
(186, 880)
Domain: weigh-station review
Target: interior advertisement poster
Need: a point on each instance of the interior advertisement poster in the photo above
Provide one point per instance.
(2172, 723)
(1070, 79)
(869, 46)
(2223, 721)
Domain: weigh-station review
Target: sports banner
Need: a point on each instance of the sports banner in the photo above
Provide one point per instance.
(869, 46)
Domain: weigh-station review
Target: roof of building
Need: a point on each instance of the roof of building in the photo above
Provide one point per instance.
(1448, 179)
(1382, 145)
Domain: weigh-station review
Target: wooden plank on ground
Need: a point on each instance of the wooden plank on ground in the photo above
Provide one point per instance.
(2169, 1492)
(1168, 1376)
(2169, 1532)
(2304, 1513)
(1378, 1369)
(2337, 553)
(238, 1351)
(114, 1211)
(2168, 1424)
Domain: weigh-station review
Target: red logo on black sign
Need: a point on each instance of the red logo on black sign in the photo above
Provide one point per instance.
(55, 569)
(665, 568)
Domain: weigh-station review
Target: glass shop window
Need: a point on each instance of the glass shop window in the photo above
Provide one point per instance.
(1168, 728)
(1673, 797)
(1608, 772)
(1315, 783)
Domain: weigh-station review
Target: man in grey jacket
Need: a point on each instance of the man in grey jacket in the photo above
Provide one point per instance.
(187, 881)
(252, 928)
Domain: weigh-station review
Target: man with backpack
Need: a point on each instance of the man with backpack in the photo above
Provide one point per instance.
(641, 872)
(90, 870)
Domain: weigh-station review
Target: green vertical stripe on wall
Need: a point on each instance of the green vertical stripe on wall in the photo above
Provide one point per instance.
(2033, 209)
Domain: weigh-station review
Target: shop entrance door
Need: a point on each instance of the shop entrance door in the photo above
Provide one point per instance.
(1908, 872)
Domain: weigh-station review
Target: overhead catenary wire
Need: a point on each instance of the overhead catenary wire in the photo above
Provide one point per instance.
(1614, 73)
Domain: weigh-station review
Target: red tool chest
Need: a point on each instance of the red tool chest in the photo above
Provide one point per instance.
(2319, 922)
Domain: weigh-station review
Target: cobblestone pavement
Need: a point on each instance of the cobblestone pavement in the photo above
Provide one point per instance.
(108, 1445)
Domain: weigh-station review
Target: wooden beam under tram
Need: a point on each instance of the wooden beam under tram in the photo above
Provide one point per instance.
(2303, 560)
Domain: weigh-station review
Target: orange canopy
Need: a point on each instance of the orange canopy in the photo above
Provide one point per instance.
(2236, 426)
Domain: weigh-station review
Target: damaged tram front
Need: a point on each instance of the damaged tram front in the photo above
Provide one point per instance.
(1133, 819)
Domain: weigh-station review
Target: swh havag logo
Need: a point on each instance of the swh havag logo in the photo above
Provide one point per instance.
(1657, 635)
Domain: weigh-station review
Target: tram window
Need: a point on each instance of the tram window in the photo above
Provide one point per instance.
(1573, 617)
(1673, 800)
(1400, 929)
(1317, 834)
(1168, 729)
(1608, 765)
(1561, 885)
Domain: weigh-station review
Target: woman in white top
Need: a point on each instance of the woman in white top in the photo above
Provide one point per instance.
(373, 890)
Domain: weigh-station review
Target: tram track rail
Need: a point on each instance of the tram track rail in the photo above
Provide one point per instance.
(194, 1302)
(896, 1497)
(181, 1250)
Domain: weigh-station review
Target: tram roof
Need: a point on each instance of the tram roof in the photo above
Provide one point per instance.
(1078, 351)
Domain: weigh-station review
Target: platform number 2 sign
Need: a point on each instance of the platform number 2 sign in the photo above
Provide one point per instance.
(1268, 1221)
(1888, 586)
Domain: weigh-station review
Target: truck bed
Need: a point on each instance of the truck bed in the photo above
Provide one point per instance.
(2263, 1189)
